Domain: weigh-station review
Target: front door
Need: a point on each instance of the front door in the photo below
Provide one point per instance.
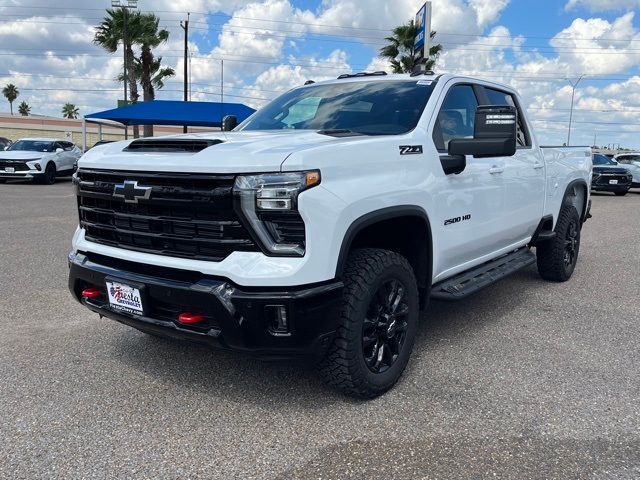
(471, 206)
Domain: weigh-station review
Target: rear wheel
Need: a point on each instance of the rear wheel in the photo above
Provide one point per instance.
(378, 324)
(49, 177)
(557, 258)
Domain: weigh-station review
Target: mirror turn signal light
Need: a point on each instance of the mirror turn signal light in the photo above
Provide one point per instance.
(187, 318)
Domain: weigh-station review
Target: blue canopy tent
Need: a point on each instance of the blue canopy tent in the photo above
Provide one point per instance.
(165, 112)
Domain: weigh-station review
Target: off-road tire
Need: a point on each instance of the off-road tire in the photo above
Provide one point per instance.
(620, 194)
(367, 273)
(552, 255)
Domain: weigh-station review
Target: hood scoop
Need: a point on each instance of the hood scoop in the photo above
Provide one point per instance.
(159, 145)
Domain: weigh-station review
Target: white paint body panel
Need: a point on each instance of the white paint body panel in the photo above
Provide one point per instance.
(361, 175)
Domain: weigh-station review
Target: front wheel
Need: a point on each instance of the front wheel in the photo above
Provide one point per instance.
(557, 258)
(378, 324)
(49, 177)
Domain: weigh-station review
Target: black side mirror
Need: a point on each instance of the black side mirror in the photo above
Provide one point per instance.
(495, 134)
(229, 123)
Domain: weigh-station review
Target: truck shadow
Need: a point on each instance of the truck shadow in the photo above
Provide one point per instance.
(243, 380)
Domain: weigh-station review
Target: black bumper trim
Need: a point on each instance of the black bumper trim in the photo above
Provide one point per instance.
(239, 318)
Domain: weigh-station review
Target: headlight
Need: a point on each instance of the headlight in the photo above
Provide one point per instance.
(269, 204)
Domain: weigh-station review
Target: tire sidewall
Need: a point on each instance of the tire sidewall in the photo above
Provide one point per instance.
(49, 176)
(385, 380)
(573, 216)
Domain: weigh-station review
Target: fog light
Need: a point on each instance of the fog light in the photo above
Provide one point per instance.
(187, 318)
(38, 167)
(91, 293)
(278, 317)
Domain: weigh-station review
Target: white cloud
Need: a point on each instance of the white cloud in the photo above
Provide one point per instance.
(603, 5)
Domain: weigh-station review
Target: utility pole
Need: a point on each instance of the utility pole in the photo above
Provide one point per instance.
(130, 4)
(574, 85)
(190, 76)
(221, 90)
(185, 27)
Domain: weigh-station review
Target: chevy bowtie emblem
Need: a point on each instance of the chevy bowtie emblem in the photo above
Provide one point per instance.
(131, 192)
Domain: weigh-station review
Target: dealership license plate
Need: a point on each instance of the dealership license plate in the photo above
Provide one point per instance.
(613, 182)
(9, 169)
(125, 298)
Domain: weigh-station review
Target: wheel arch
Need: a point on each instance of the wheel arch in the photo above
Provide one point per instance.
(404, 229)
(577, 194)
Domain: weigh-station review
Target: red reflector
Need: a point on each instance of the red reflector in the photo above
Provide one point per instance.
(91, 293)
(190, 318)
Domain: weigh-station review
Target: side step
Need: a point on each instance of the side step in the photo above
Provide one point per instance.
(471, 281)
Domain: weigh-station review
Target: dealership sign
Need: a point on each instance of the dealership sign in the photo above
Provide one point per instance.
(423, 35)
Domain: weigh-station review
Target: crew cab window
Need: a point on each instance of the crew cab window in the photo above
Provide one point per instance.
(457, 116)
(496, 97)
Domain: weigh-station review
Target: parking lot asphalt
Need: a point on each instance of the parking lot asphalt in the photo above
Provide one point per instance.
(528, 379)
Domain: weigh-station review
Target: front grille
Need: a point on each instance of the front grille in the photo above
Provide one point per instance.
(604, 179)
(18, 165)
(186, 215)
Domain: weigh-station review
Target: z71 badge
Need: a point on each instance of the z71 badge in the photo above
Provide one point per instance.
(410, 149)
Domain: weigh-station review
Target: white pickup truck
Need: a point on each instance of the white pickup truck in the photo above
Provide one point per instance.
(322, 225)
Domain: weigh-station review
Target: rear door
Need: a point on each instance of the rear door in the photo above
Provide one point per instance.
(523, 175)
(470, 206)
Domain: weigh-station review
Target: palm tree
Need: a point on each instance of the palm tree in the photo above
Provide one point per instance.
(11, 93)
(70, 111)
(24, 109)
(110, 33)
(151, 37)
(400, 51)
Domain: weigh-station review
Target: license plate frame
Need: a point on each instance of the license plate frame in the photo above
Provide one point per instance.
(125, 296)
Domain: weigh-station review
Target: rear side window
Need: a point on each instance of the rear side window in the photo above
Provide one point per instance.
(456, 117)
(68, 146)
(496, 97)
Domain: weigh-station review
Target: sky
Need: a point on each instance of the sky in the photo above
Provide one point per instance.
(270, 46)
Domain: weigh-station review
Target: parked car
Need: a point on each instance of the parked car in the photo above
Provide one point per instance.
(4, 143)
(630, 161)
(608, 176)
(321, 225)
(38, 159)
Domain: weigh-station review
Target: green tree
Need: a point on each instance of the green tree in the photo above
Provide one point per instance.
(69, 110)
(400, 51)
(11, 93)
(151, 37)
(24, 109)
(110, 33)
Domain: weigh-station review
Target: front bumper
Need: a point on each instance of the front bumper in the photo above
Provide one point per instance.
(23, 175)
(236, 319)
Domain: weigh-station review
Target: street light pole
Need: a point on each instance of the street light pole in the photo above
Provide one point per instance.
(130, 4)
(574, 85)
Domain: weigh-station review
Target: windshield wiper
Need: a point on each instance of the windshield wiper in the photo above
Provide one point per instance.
(340, 132)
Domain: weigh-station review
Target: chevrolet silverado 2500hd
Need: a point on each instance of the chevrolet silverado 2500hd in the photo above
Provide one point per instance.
(321, 225)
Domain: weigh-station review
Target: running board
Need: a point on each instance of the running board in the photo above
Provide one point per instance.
(471, 281)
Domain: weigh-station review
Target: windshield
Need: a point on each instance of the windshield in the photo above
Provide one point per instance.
(602, 160)
(31, 146)
(366, 108)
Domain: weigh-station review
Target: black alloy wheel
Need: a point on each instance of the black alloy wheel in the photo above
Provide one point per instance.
(385, 327)
(572, 239)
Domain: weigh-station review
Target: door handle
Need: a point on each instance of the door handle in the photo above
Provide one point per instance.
(496, 170)
(538, 165)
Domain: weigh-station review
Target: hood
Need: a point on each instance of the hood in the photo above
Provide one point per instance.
(22, 155)
(230, 152)
(610, 169)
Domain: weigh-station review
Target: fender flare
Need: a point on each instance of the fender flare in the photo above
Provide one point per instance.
(575, 183)
(381, 215)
